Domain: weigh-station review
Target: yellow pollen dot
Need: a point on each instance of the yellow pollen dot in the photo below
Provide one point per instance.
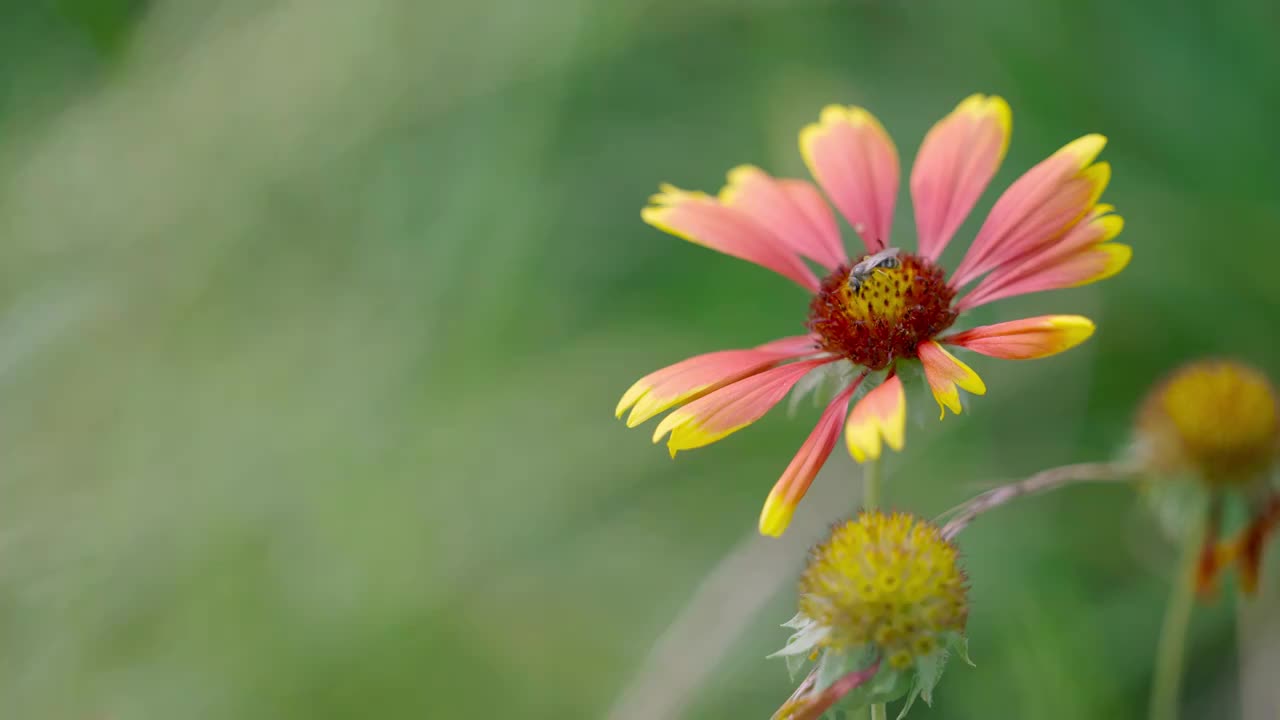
(887, 580)
(1217, 419)
(901, 660)
(885, 636)
(924, 645)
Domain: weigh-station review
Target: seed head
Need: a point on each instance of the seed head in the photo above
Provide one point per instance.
(1217, 419)
(890, 581)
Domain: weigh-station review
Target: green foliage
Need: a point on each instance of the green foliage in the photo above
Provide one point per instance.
(312, 316)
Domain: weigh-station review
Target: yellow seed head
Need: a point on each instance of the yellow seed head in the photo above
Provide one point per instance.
(1216, 418)
(887, 580)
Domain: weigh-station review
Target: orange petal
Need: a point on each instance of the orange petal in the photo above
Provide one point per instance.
(1025, 339)
(944, 372)
(956, 161)
(1037, 208)
(1083, 255)
(855, 162)
(701, 219)
(796, 479)
(881, 414)
(694, 377)
(792, 210)
(731, 408)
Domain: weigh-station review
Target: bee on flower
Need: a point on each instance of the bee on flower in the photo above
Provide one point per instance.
(882, 602)
(885, 307)
(1217, 422)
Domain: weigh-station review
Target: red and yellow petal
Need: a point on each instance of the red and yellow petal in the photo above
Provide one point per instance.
(944, 373)
(696, 376)
(701, 219)
(1082, 268)
(1025, 339)
(796, 479)
(854, 160)
(882, 414)
(731, 408)
(792, 210)
(1084, 255)
(1038, 207)
(956, 161)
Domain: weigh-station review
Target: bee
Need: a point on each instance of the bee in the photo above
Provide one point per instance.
(887, 259)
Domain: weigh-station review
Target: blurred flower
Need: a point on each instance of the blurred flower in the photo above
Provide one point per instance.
(1217, 421)
(881, 588)
(1215, 418)
(888, 308)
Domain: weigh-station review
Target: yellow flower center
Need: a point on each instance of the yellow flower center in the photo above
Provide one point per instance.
(887, 580)
(1215, 418)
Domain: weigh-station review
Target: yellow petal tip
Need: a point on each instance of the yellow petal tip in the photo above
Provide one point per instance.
(1085, 148)
(775, 518)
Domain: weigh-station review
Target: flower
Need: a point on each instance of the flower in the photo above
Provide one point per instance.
(882, 589)
(890, 581)
(888, 308)
(1217, 421)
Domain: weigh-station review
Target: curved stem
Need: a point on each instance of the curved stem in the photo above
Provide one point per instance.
(1166, 687)
(879, 712)
(1042, 481)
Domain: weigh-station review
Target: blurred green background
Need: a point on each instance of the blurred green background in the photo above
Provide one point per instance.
(313, 316)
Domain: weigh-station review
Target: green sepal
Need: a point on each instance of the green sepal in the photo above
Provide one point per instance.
(1179, 504)
(801, 645)
(797, 621)
(928, 672)
(929, 669)
(806, 638)
(921, 407)
(821, 384)
(957, 643)
(911, 700)
(886, 686)
(796, 665)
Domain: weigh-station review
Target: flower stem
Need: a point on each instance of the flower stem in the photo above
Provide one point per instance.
(1043, 481)
(871, 501)
(871, 485)
(1167, 684)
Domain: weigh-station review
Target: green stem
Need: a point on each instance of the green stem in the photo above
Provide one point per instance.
(871, 501)
(1167, 685)
(871, 485)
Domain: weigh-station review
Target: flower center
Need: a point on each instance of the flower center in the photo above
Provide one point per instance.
(881, 308)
